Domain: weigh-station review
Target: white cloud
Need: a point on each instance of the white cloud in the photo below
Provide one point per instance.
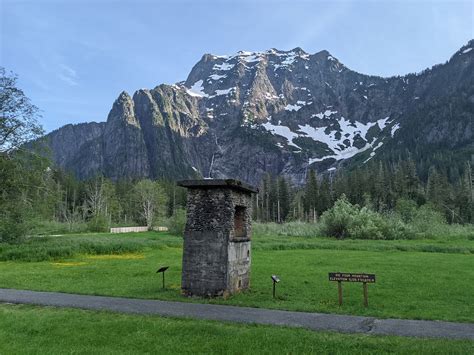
(68, 75)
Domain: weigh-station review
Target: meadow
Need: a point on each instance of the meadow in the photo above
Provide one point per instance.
(416, 279)
(420, 279)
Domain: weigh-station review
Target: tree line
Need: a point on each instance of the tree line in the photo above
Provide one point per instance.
(33, 193)
(381, 186)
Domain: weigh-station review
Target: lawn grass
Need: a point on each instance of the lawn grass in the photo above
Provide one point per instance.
(63, 246)
(410, 284)
(28, 329)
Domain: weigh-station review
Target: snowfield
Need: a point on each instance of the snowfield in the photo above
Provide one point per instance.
(340, 141)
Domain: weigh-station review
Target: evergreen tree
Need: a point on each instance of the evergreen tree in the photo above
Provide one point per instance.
(273, 199)
(311, 195)
(283, 199)
(324, 198)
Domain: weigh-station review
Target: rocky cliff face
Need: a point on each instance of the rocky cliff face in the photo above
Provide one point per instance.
(280, 112)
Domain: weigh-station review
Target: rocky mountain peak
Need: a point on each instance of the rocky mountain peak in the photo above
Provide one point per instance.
(122, 111)
(281, 112)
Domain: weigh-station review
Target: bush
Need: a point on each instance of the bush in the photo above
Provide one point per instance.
(337, 221)
(99, 223)
(13, 227)
(397, 229)
(345, 220)
(429, 222)
(15, 222)
(367, 225)
(176, 222)
(406, 209)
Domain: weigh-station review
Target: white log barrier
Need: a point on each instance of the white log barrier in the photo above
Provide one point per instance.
(136, 229)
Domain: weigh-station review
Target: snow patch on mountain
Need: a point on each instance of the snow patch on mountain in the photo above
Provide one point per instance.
(283, 131)
(339, 141)
(383, 122)
(395, 128)
(321, 115)
(292, 107)
(270, 96)
(217, 76)
(372, 154)
(223, 66)
(197, 89)
(223, 92)
(252, 58)
(344, 154)
(289, 59)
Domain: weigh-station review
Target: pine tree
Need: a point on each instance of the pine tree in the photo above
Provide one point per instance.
(311, 195)
(273, 199)
(324, 201)
(283, 199)
(380, 189)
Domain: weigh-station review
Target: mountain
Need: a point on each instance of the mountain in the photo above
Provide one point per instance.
(281, 112)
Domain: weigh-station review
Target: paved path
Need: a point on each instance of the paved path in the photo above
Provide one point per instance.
(314, 321)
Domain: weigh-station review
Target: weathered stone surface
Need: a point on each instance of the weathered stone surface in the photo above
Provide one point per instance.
(78, 148)
(216, 255)
(124, 146)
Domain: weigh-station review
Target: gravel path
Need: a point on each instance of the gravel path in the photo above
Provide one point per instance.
(314, 321)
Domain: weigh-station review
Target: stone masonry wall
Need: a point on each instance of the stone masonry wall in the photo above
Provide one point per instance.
(215, 261)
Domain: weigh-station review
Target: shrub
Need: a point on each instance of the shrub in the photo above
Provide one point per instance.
(337, 221)
(406, 209)
(429, 222)
(176, 222)
(366, 224)
(14, 225)
(397, 229)
(98, 223)
(345, 220)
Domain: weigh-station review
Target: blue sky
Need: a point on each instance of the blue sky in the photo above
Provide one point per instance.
(74, 57)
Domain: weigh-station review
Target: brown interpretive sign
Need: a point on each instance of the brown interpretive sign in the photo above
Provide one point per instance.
(349, 277)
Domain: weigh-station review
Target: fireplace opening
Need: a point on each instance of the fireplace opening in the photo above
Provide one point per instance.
(239, 222)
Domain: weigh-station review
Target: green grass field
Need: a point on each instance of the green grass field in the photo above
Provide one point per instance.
(27, 329)
(419, 279)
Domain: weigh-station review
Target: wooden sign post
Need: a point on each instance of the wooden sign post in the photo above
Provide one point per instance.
(348, 277)
(339, 292)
